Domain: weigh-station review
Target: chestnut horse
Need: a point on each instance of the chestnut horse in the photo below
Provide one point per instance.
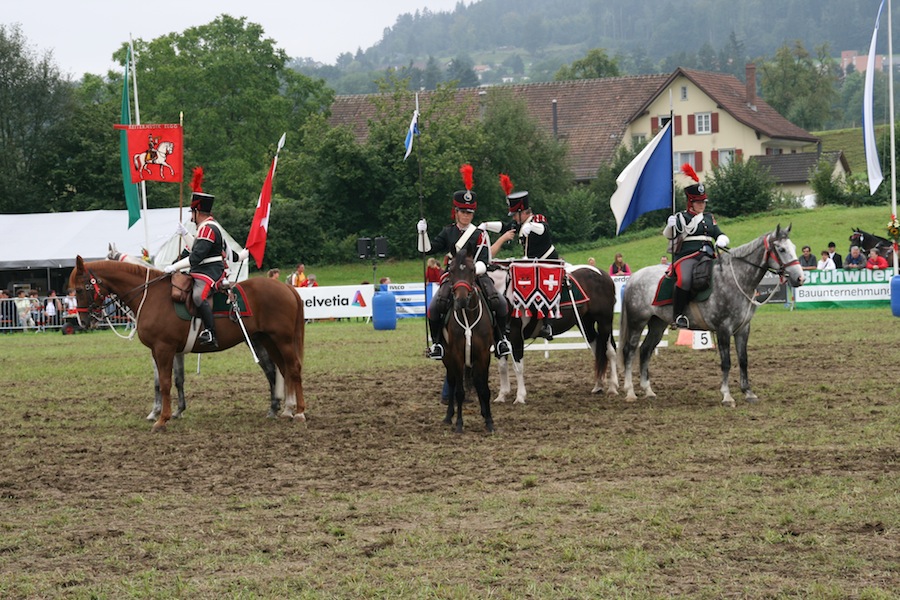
(469, 335)
(273, 317)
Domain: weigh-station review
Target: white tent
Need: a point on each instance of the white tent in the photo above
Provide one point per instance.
(53, 240)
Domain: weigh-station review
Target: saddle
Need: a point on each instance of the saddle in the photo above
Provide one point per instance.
(223, 300)
(665, 290)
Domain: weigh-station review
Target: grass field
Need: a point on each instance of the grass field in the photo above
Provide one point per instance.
(575, 496)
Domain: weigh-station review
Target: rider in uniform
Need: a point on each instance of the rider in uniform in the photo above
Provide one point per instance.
(691, 232)
(206, 258)
(456, 236)
(533, 232)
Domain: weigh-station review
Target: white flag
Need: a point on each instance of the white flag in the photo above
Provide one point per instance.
(873, 164)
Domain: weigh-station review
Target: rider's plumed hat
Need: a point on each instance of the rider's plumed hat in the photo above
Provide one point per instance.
(695, 191)
(515, 202)
(465, 199)
(200, 201)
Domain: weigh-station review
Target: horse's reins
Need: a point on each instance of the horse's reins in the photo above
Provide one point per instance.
(93, 285)
(769, 252)
(467, 327)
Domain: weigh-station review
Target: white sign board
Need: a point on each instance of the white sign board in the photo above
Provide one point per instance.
(337, 301)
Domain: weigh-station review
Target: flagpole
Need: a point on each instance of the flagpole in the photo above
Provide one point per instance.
(181, 184)
(893, 149)
(137, 118)
(412, 133)
(672, 182)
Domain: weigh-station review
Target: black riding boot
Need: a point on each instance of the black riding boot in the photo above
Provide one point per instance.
(502, 347)
(436, 325)
(208, 336)
(680, 302)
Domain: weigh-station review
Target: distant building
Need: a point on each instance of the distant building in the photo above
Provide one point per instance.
(859, 61)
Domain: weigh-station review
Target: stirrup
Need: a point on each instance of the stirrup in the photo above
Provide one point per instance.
(681, 322)
(546, 332)
(504, 348)
(207, 338)
(436, 352)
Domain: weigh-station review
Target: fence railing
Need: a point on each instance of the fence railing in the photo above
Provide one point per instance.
(28, 318)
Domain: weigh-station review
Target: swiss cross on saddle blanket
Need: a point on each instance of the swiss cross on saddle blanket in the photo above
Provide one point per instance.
(535, 289)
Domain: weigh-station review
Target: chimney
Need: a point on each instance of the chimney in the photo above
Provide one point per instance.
(750, 70)
(555, 120)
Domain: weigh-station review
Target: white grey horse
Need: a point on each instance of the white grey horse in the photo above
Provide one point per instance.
(727, 311)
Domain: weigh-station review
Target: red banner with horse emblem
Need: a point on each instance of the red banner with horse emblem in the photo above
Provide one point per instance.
(535, 289)
(156, 151)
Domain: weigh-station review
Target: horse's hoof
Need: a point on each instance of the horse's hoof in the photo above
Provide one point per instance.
(728, 403)
(500, 399)
(157, 428)
(448, 421)
(519, 401)
(272, 415)
(630, 398)
(152, 417)
(751, 398)
(597, 389)
(300, 417)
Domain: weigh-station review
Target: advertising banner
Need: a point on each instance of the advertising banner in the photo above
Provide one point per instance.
(842, 288)
(337, 301)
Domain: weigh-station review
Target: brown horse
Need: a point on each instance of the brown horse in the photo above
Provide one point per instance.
(469, 335)
(273, 316)
(591, 313)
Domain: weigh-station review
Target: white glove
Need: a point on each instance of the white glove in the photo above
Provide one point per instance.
(480, 268)
(482, 226)
(169, 269)
(525, 230)
(671, 221)
(180, 230)
(722, 241)
(422, 226)
(243, 254)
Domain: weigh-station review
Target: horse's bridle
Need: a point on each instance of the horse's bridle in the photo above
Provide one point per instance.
(92, 285)
(771, 252)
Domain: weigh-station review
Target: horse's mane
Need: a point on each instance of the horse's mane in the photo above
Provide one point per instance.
(746, 249)
(129, 267)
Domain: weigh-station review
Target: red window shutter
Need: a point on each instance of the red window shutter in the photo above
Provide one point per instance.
(678, 125)
(698, 161)
(692, 124)
(714, 122)
(654, 124)
(738, 155)
(714, 158)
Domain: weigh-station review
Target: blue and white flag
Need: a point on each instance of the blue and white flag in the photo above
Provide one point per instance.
(646, 183)
(413, 130)
(873, 165)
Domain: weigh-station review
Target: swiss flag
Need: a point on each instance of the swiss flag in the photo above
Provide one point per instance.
(156, 152)
(259, 230)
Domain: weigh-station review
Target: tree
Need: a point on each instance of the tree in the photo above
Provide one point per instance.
(35, 102)
(462, 70)
(740, 188)
(801, 87)
(237, 97)
(595, 65)
(433, 74)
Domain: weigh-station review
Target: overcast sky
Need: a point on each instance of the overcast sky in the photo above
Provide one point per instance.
(83, 34)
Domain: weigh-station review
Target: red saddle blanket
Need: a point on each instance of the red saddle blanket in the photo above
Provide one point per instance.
(535, 289)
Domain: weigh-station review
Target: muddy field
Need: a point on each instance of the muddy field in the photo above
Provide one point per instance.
(575, 496)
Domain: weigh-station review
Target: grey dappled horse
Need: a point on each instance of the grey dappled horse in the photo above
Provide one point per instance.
(273, 375)
(727, 312)
(594, 319)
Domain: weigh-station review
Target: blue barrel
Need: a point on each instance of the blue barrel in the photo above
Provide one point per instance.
(384, 311)
(895, 295)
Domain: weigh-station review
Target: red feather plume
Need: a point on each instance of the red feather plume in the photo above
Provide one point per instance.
(506, 183)
(466, 170)
(688, 170)
(197, 180)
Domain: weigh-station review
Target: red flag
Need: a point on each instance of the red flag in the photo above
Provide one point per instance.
(259, 230)
(156, 152)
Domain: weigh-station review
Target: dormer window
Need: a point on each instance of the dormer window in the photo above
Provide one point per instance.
(684, 92)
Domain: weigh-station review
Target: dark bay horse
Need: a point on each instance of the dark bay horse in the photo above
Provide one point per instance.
(274, 317)
(593, 318)
(276, 381)
(866, 241)
(469, 335)
(727, 311)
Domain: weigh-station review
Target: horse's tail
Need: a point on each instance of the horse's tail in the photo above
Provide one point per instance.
(623, 333)
(299, 330)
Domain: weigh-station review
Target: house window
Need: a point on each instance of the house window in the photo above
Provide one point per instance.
(638, 139)
(684, 92)
(774, 151)
(726, 157)
(663, 119)
(684, 157)
(704, 123)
